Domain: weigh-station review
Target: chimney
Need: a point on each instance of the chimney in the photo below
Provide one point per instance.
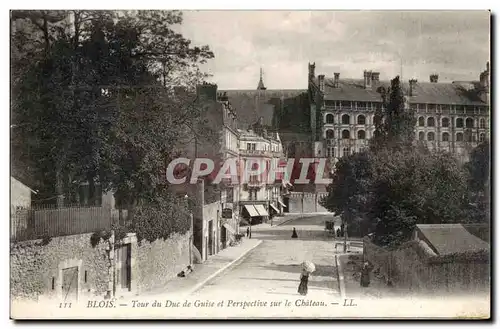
(376, 76)
(206, 92)
(434, 78)
(321, 81)
(312, 69)
(223, 97)
(413, 87)
(336, 80)
(484, 78)
(367, 79)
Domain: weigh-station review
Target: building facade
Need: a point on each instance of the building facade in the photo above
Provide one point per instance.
(451, 116)
(259, 197)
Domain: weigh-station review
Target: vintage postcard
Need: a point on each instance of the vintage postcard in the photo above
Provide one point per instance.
(250, 164)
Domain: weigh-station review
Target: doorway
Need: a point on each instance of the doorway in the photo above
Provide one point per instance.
(223, 236)
(286, 202)
(210, 238)
(70, 284)
(123, 268)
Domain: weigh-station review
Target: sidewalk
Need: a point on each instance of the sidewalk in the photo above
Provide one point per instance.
(203, 273)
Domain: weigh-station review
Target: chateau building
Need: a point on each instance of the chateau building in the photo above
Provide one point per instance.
(451, 116)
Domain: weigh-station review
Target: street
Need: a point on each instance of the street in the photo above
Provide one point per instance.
(273, 269)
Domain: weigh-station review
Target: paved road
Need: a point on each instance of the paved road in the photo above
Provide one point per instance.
(272, 270)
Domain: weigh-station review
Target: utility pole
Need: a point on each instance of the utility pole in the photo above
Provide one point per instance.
(345, 236)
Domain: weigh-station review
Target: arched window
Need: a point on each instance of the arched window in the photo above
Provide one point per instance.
(469, 123)
(330, 134)
(361, 120)
(421, 121)
(482, 123)
(460, 137)
(421, 136)
(446, 137)
(345, 134)
(430, 122)
(430, 136)
(329, 118)
(346, 151)
(460, 123)
(445, 122)
(361, 134)
(481, 137)
(345, 119)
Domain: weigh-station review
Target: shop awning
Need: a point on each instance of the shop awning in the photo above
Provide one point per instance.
(262, 211)
(229, 228)
(282, 204)
(252, 211)
(274, 207)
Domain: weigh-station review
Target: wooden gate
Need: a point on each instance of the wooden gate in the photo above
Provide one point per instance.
(70, 284)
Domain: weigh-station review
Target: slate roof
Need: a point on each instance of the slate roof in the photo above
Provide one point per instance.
(250, 105)
(455, 93)
(451, 238)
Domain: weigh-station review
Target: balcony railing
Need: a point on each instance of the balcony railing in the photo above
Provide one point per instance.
(256, 153)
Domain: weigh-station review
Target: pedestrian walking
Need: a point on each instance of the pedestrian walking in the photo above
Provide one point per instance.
(304, 280)
(307, 269)
(338, 233)
(294, 234)
(365, 274)
(248, 231)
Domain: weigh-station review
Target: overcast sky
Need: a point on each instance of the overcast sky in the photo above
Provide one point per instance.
(453, 44)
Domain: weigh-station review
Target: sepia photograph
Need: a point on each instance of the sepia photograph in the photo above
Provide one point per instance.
(250, 164)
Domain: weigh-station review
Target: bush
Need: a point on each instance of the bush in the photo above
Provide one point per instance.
(160, 219)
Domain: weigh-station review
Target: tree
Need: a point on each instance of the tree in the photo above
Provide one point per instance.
(394, 122)
(478, 169)
(71, 128)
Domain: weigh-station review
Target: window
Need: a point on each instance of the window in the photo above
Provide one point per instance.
(328, 154)
(421, 121)
(346, 151)
(431, 107)
(345, 134)
(445, 122)
(361, 120)
(250, 146)
(482, 123)
(430, 122)
(460, 123)
(329, 118)
(430, 136)
(361, 134)
(469, 123)
(421, 136)
(345, 119)
(330, 134)
(481, 137)
(468, 136)
(446, 137)
(460, 137)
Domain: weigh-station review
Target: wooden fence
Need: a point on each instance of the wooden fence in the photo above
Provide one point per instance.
(415, 267)
(28, 224)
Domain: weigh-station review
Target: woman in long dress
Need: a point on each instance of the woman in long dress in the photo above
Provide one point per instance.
(294, 234)
(304, 279)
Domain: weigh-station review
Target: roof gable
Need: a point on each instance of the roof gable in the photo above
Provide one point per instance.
(451, 238)
(251, 105)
